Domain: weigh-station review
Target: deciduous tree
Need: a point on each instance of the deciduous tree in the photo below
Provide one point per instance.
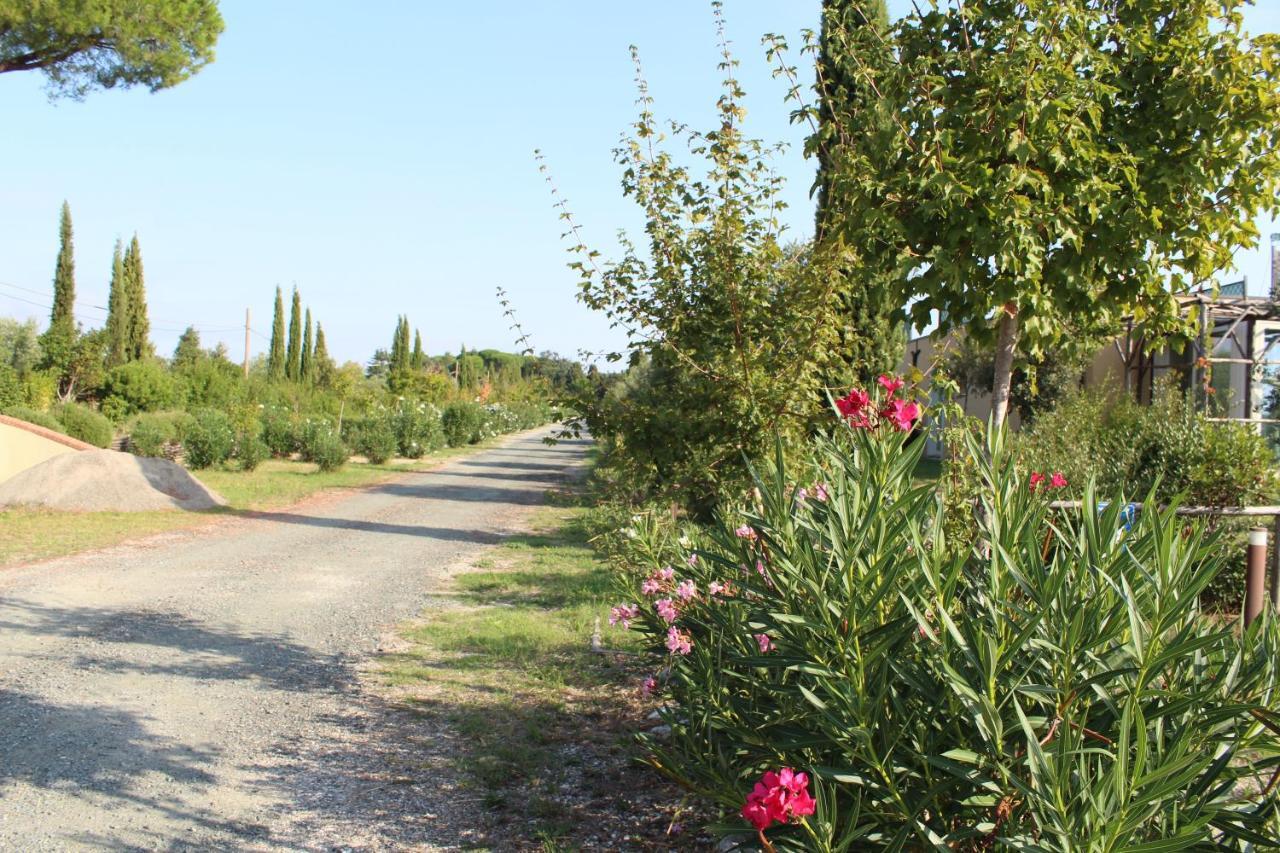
(1050, 164)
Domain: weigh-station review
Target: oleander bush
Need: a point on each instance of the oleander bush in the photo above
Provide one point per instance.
(375, 439)
(462, 423)
(280, 431)
(210, 439)
(79, 421)
(320, 442)
(418, 429)
(838, 674)
(250, 450)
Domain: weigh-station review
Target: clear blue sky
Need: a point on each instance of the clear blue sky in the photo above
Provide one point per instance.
(382, 160)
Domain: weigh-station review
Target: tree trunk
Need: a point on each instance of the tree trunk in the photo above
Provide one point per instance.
(1006, 343)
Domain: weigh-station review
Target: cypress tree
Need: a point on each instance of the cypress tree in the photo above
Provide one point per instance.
(869, 338)
(62, 320)
(138, 327)
(293, 356)
(406, 354)
(188, 351)
(395, 348)
(419, 357)
(322, 364)
(118, 311)
(275, 357)
(306, 371)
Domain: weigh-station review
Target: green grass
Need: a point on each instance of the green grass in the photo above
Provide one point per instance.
(510, 668)
(27, 535)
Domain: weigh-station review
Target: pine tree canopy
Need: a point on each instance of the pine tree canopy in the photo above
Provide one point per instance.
(108, 43)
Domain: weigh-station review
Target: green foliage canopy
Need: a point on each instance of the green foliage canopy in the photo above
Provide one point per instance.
(108, 43)
(1064, 162)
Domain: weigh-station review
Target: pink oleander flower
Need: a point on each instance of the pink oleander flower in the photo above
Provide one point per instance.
(746, 531)
(764, 642)
(890, 384)
(1036, 480)
(717, 588)
(623, 614)
(853, 403)
(651, 586)
(666, 610)
(802, 495)
(693, 560)
(649, 686)
(668, 574)
(1057, 481)
(901, 413)
(820, 492)
(678, 642)
(687, 590)
(778, 798)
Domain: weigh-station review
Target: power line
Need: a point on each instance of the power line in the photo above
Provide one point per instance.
(84, 306)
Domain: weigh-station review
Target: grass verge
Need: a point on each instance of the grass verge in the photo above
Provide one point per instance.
(27, 535)
(548, 724)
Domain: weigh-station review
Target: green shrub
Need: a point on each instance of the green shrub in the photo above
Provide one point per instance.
(138, 386)
(250, 450)
(328, 451)
(376, 440)
(31, 416)
(149, 433)
(1168, 446)
(1054, 690)
(10, 387)
(418, 429)
(210, 439)
(462, 423)
(279, 431)
(81, 422)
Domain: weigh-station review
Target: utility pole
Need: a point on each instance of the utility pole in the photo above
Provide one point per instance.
(246, 343)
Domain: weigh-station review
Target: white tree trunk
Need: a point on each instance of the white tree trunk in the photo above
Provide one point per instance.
(1006, 344)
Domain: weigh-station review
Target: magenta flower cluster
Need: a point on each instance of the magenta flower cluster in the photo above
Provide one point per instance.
(857, 409)
(779, 797)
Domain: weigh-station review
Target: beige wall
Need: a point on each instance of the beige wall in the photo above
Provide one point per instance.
(21, 449)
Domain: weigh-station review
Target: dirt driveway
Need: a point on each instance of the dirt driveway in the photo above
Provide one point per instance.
(202, 690)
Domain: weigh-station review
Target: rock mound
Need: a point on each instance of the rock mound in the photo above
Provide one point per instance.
(105, 480)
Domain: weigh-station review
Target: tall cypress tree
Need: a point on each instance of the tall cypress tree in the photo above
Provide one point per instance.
(275, 357)
(62, 320)
(293, 357)
(118, 311)
(419, 357)
(306, 371)
(138, 327)
(322, 364)
(869, 339)
(402, 344)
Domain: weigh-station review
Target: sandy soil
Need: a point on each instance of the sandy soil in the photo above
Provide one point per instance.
(201, 690)
(105, 480)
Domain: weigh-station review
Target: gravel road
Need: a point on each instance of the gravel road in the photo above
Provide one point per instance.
(202, 690)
